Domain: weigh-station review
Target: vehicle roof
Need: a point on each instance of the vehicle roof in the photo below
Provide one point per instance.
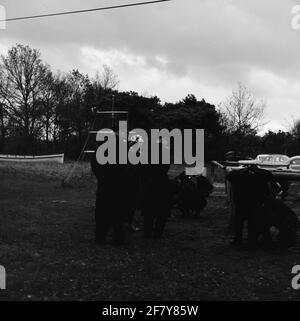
(278, 155)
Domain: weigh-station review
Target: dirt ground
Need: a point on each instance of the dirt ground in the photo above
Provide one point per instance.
(47, 247)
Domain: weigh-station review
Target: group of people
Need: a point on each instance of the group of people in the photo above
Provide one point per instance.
(123, 188)
(254, 200)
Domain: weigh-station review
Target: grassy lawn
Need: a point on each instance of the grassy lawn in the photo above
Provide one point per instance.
(47, 247)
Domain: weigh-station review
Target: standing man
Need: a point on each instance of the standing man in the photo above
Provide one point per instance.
(156, 207)
(134, 186)
(251, 190)
(111, 200)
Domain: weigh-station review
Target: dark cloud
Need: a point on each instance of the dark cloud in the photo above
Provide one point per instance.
(213, 43)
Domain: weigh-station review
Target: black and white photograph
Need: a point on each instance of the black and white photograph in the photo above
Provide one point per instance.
(149, 153)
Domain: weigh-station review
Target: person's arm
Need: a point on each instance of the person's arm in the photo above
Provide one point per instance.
(275, 186)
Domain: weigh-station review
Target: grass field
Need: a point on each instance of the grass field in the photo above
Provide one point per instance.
(47, 247)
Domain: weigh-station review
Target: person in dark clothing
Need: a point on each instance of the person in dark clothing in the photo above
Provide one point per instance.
(189, 194)
(156, 204)
(157, 201)
(111, 200)
(135, 187)
(251, 189)
(134, 202)
(204, 185)
(284, 220)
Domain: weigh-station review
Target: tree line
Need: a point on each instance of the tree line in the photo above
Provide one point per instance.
(44, 112)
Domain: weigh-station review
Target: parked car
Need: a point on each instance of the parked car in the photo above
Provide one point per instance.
(281, 160)
(294, 163)
(269, 160)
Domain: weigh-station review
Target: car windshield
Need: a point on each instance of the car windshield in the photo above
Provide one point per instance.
(262, 158)
(276, 159)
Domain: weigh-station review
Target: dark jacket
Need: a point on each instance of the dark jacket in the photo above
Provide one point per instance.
(112, 190)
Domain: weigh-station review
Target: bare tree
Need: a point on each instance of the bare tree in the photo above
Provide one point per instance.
(107, 78)
(3, 123)
(3, 114)
(48, 101)
(23, 76)
(295, 128)
(242, 113)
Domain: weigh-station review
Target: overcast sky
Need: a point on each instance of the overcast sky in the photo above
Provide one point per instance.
(204, 47)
